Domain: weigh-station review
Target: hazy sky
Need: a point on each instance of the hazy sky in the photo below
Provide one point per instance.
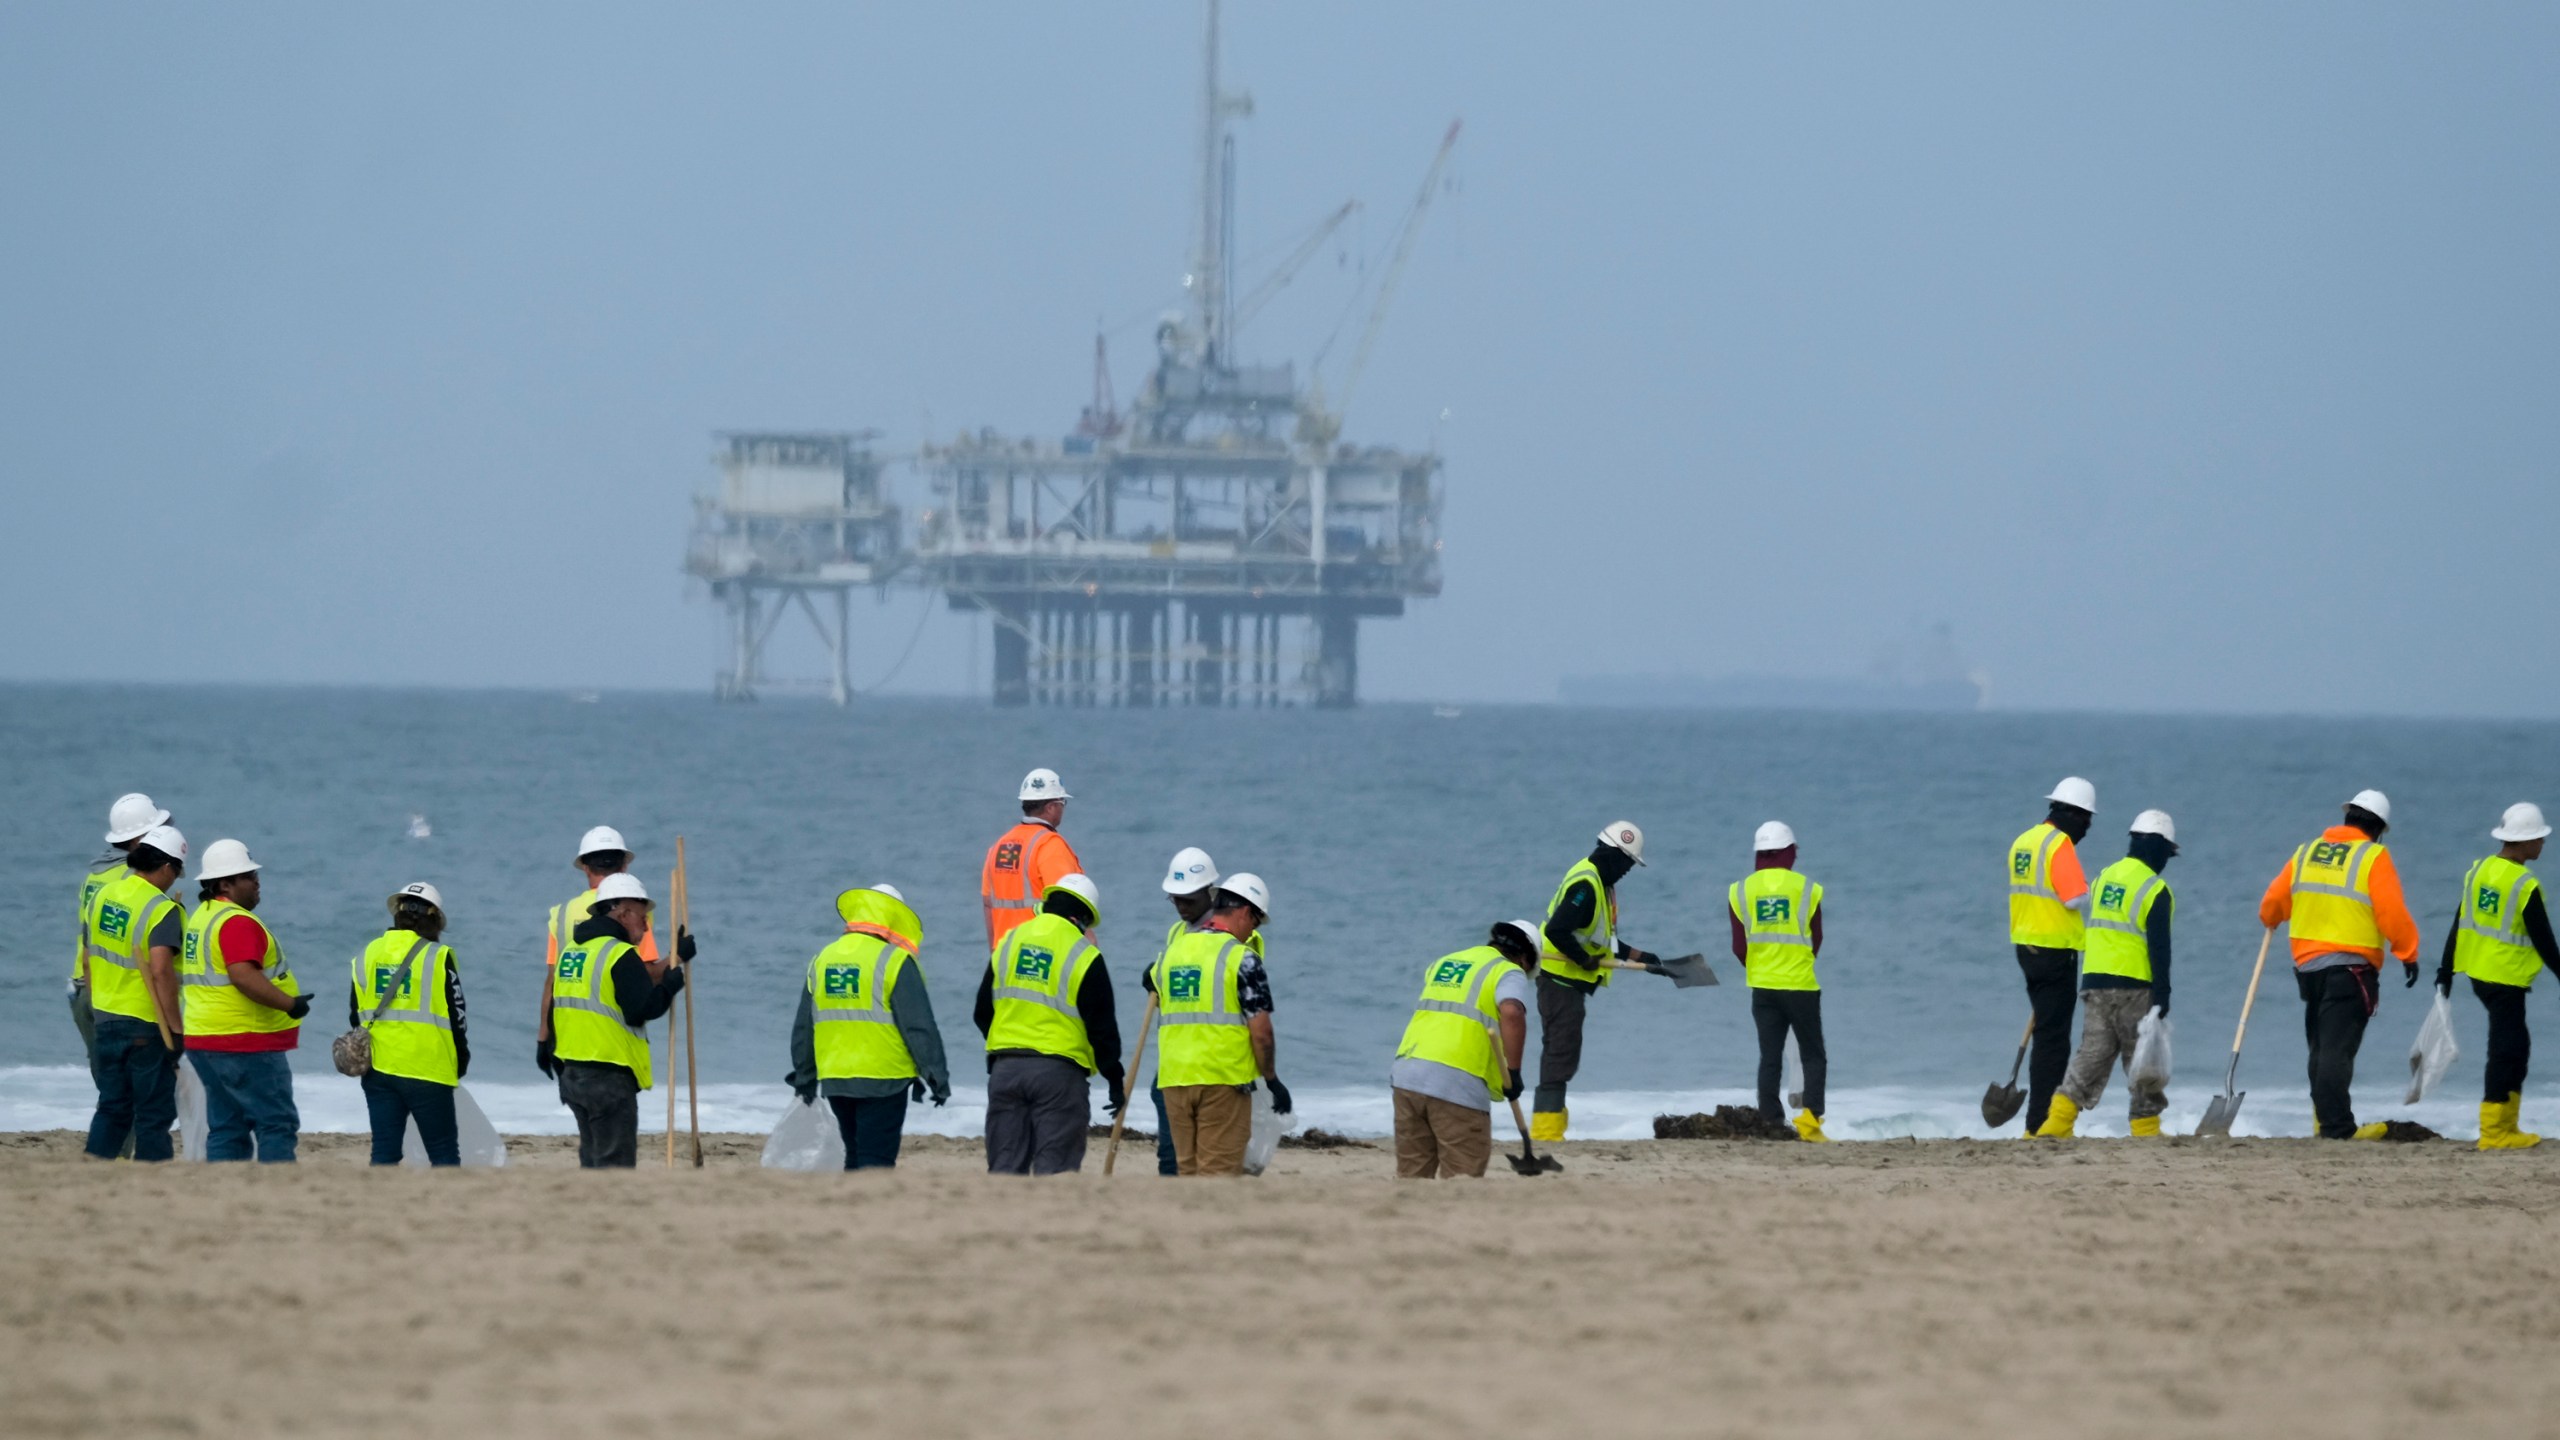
(2180, 357)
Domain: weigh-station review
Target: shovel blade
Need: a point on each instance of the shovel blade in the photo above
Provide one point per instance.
(2001, 1104)
(1528, 1164)
(1688, 972)
(2219, 1112)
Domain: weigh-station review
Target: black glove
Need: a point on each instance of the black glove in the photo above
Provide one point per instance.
(684, 945)
(941, 1098)
(1279, 1096)
(1119, 1097)
(915, 1090)
(177, 1042)
(2444, 981)
(300, 1007)
(2160, 998)
(1511, 1086)
(544, 1060)
(2408, 974)
(1645, 958)
(808, 1096)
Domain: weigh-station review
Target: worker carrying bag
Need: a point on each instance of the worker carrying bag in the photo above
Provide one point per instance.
(352, 1052)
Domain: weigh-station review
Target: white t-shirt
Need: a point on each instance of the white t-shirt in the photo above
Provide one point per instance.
(1448, 1082)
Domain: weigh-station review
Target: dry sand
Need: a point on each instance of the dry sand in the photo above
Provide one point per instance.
(2256, 1287)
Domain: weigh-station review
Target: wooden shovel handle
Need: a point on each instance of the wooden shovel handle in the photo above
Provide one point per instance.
(1129, 1088)
(2251, 998)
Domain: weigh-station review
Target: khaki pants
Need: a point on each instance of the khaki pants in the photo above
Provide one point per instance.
(1209, 1125)
(2107, 1029)
(1437, 1140)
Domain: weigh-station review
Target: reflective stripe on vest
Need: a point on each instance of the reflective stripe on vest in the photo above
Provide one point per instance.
(212, 1003)
(1601, 934)
(1776, 908)
(586, 1021)
(2120, 902)
(1206, 1040)
(854, 1034)
(1470, 1039)
(2490, 941)
(2037, 915)
(412, 1041)
(119, 939)
(1037, 971)
(2333, 895)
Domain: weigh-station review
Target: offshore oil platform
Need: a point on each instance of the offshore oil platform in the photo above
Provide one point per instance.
(1216, 545)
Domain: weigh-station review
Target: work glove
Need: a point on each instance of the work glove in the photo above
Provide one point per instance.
(2408, 974)
(915, 1090)
(1511, 1086)
(684, 945)
(177, 1042)
(544, 1060)
(2160, 1002)
(808, 1096)
(2444, 981)
(1279, 1096)
(1645, 958)
(1119, 1097)
(941, 1098)
(300, 1007)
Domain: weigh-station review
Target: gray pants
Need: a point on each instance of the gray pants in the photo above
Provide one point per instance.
(2107, 1029)
(606, 1100)
(1038, 1109)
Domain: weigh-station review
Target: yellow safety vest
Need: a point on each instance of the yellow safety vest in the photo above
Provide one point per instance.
(2489, 939)
(119, 939)
(97, 880)
(1776, 908)
(212, 1004)
(1458, 1020)
(1039, 966)
(2037, 915)
(414, 1037)
(1197, 994)
(567, 916)
(1600, 935)
(855, 1036)
(586, 1018)
(1180, 928)
(2120, 902)
(2333, 893)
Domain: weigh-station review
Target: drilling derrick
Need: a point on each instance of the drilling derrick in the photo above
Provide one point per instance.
(799, 521)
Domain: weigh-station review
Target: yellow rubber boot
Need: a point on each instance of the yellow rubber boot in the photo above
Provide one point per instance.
(2147, 1127)
(2522, 1139)
(1546, 1124)
(1809, 1127)
(2373, 1131)
(2498, 1125)
(2059, 1120)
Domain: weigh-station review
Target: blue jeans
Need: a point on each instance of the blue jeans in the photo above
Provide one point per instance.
(392, 1101)
(137, 1079)
(871, 1129)
(1166, 1162)
(245, 1095)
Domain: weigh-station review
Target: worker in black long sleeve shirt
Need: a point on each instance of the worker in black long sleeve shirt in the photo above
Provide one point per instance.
(420, 1049)
(2501, 938)
(602, 1092)
(2124, 976)
(1039, 1052)
(1581, 934)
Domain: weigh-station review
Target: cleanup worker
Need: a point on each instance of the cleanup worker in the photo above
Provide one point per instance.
(244, 1011)
(1214, 998)
(1191, 881)
(602, 993)
(1776, 916)
(1461, 1050)
(1044, 1004)
(2501, 938)
(128, 820)
(1581, 935)
(2340, 898)
(601, 852)
(2124, 975)
(1027, 860)
(133, 932)
(864, 1037)
(2048, 895)
(406, 984)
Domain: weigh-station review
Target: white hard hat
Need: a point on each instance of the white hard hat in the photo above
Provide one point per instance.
(1081, 886)
(131, 816)
(166, 840)
(1528, 931)
(1246, 886)
(2077, 792)
(1193, 871)
(1772, 836)
(224, 859)
(2374, 803)
(621, 887)
(1044, 784)
(892, 891)
(1626, 837)
(603, 837)
(2155, 822)
(415, 890)
(2523, 822)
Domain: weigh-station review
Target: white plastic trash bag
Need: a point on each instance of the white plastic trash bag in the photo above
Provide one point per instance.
(2151, 1051)
(1793, 1081)
(806, 1138)
(1268, 1126)
(190, 1112)
(478, 1141)
(2435, 1051)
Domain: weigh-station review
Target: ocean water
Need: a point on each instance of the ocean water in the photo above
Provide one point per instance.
(1389, 835)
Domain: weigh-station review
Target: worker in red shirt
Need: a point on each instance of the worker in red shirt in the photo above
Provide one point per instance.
(243, 1011)
(1028, 859)
(2340, 899)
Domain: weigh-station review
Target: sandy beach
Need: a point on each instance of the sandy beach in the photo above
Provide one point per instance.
(2253, 1287)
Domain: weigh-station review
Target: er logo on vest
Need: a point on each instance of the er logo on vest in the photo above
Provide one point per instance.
(1771, 908)
(844, 982)
(2487, 900)
(2330, 854)
(1183, 982)
(2111, 897)
(2020, 862)
(382, 979)
(115, 920)
(192, 938)
(1033, 963)
(1450, 972)
(573, 965)
(1009, 855)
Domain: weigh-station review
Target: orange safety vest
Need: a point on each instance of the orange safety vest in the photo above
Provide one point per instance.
(1023, 862)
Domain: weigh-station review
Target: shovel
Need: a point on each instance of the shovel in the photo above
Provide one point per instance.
(2000, 1102)
(1529, 1161)
(2218, 1111)
(1687, 972)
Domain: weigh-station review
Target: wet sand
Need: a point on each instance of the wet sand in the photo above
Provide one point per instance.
(1672, 1288)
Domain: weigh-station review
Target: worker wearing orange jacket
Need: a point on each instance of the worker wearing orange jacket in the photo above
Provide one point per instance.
(1028, 859)
(2340, 899)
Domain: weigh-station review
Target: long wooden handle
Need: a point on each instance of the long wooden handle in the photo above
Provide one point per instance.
(2251, 998)
(2023, 1041)
(1129, 1088)
(692, 1069)
(675, 887)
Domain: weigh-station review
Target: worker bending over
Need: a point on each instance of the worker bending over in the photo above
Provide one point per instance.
(244, 1011)
(405, 990)
(1190, 882)
(864, 1039)
(1044, 1004)
(601, 852)
(1777, 931)
(131, 935)
(1581, 938)
(2501, 938)
(128, 820)
(2340, 898)
(1215, 1000)
(603, 992)
(1462, 1048)
(1029, 859)
(2124, 975)
(2048, 895)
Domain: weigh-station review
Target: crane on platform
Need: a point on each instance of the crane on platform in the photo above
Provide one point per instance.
(1322, 423)
(1287, 270)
